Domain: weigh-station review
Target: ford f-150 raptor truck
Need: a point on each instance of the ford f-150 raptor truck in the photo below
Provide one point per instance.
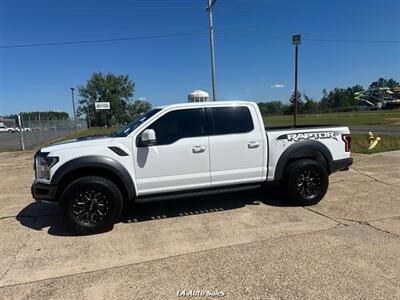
(183, 150)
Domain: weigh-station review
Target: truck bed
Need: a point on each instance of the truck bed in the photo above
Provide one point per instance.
(288, 127)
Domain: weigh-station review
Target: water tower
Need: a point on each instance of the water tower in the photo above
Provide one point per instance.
(198, 96)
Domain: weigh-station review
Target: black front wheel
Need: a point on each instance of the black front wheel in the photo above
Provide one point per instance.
(91, 204)
(306, 181)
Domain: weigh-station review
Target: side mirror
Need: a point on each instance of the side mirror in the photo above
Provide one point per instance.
(148, 137)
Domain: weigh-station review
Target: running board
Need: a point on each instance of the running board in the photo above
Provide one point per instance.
(196, 193)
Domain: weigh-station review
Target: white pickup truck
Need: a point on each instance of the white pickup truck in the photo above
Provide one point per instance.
(4, 128)
(183, 150)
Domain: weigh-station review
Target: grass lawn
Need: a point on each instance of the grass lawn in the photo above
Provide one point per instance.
(360, 143)
(9, 149)
(85, 132)
(381, 117)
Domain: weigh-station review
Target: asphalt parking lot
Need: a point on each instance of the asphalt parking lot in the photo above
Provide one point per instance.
(248, 245)
(13, 140)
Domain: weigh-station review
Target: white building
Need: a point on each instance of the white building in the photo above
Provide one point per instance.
(198, 96)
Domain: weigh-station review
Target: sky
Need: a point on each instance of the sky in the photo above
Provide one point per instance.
(254, 56)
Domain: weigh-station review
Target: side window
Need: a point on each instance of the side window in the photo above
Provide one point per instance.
(179, 124)
(228, 120)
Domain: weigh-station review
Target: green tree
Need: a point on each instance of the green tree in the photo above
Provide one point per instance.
(116, 89)
(340, 99)
(271, 108)
(382, 82)
(310, 105)
(138, 107)
(44, 115)
(290, 108)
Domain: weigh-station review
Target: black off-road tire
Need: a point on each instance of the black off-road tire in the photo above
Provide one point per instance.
(91, 205)
(306, 182)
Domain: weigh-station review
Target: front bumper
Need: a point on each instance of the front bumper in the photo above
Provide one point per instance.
(342, 164)
(46, 192)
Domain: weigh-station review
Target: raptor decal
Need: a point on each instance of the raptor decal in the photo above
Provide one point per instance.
(296, 137)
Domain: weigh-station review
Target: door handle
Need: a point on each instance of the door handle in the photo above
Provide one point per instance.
(253, 144)
(198, 149)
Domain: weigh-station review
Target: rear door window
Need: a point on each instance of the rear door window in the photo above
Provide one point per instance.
(229, 120)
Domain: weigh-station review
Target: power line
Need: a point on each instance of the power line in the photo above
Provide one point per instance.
(351, 41)
(307, 39)
(172, 35)
(160, 36)
(254, 35)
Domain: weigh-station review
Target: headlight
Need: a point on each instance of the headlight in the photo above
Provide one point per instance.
(43, 164)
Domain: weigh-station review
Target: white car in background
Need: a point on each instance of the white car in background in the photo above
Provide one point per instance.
(4, 128)
(24, 129)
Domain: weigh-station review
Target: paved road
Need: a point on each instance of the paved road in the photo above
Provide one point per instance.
(13, 140)
(9, 140)
(247, 246)
(392, 130)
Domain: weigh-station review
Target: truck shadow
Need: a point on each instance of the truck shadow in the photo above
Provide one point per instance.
(39, 216)
(140, 212)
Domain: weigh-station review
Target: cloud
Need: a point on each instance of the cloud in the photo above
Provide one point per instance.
(277, 86)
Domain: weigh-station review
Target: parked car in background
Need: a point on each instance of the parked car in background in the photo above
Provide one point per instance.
(4, 128)
(23, 129)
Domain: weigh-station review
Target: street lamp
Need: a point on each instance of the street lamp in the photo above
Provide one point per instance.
(296, 40)
(73, 107)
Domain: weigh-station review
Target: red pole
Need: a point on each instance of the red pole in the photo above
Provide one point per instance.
(295, 87)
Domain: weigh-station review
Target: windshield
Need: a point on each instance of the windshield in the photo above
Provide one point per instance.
(124, 131)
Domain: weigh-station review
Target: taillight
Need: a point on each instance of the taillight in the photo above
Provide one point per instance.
(347, 142)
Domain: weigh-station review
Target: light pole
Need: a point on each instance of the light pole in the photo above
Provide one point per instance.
(210, 7)
(90, 125)
(296, 41)
(88, 114)
(21, 134)
(73, 107)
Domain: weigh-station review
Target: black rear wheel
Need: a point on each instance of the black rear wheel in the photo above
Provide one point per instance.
(91, 204)
(307, 182)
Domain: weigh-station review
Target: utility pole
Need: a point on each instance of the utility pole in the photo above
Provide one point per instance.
(40, 129)
(21, 134)
(296, 41)
(88, 114)
(211, 4)
(73, 107)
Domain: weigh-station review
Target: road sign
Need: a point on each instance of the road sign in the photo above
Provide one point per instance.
(102, 105)
(296, 39)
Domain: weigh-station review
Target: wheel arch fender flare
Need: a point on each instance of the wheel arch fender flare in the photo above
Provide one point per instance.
(99, 162)
(303, 149)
